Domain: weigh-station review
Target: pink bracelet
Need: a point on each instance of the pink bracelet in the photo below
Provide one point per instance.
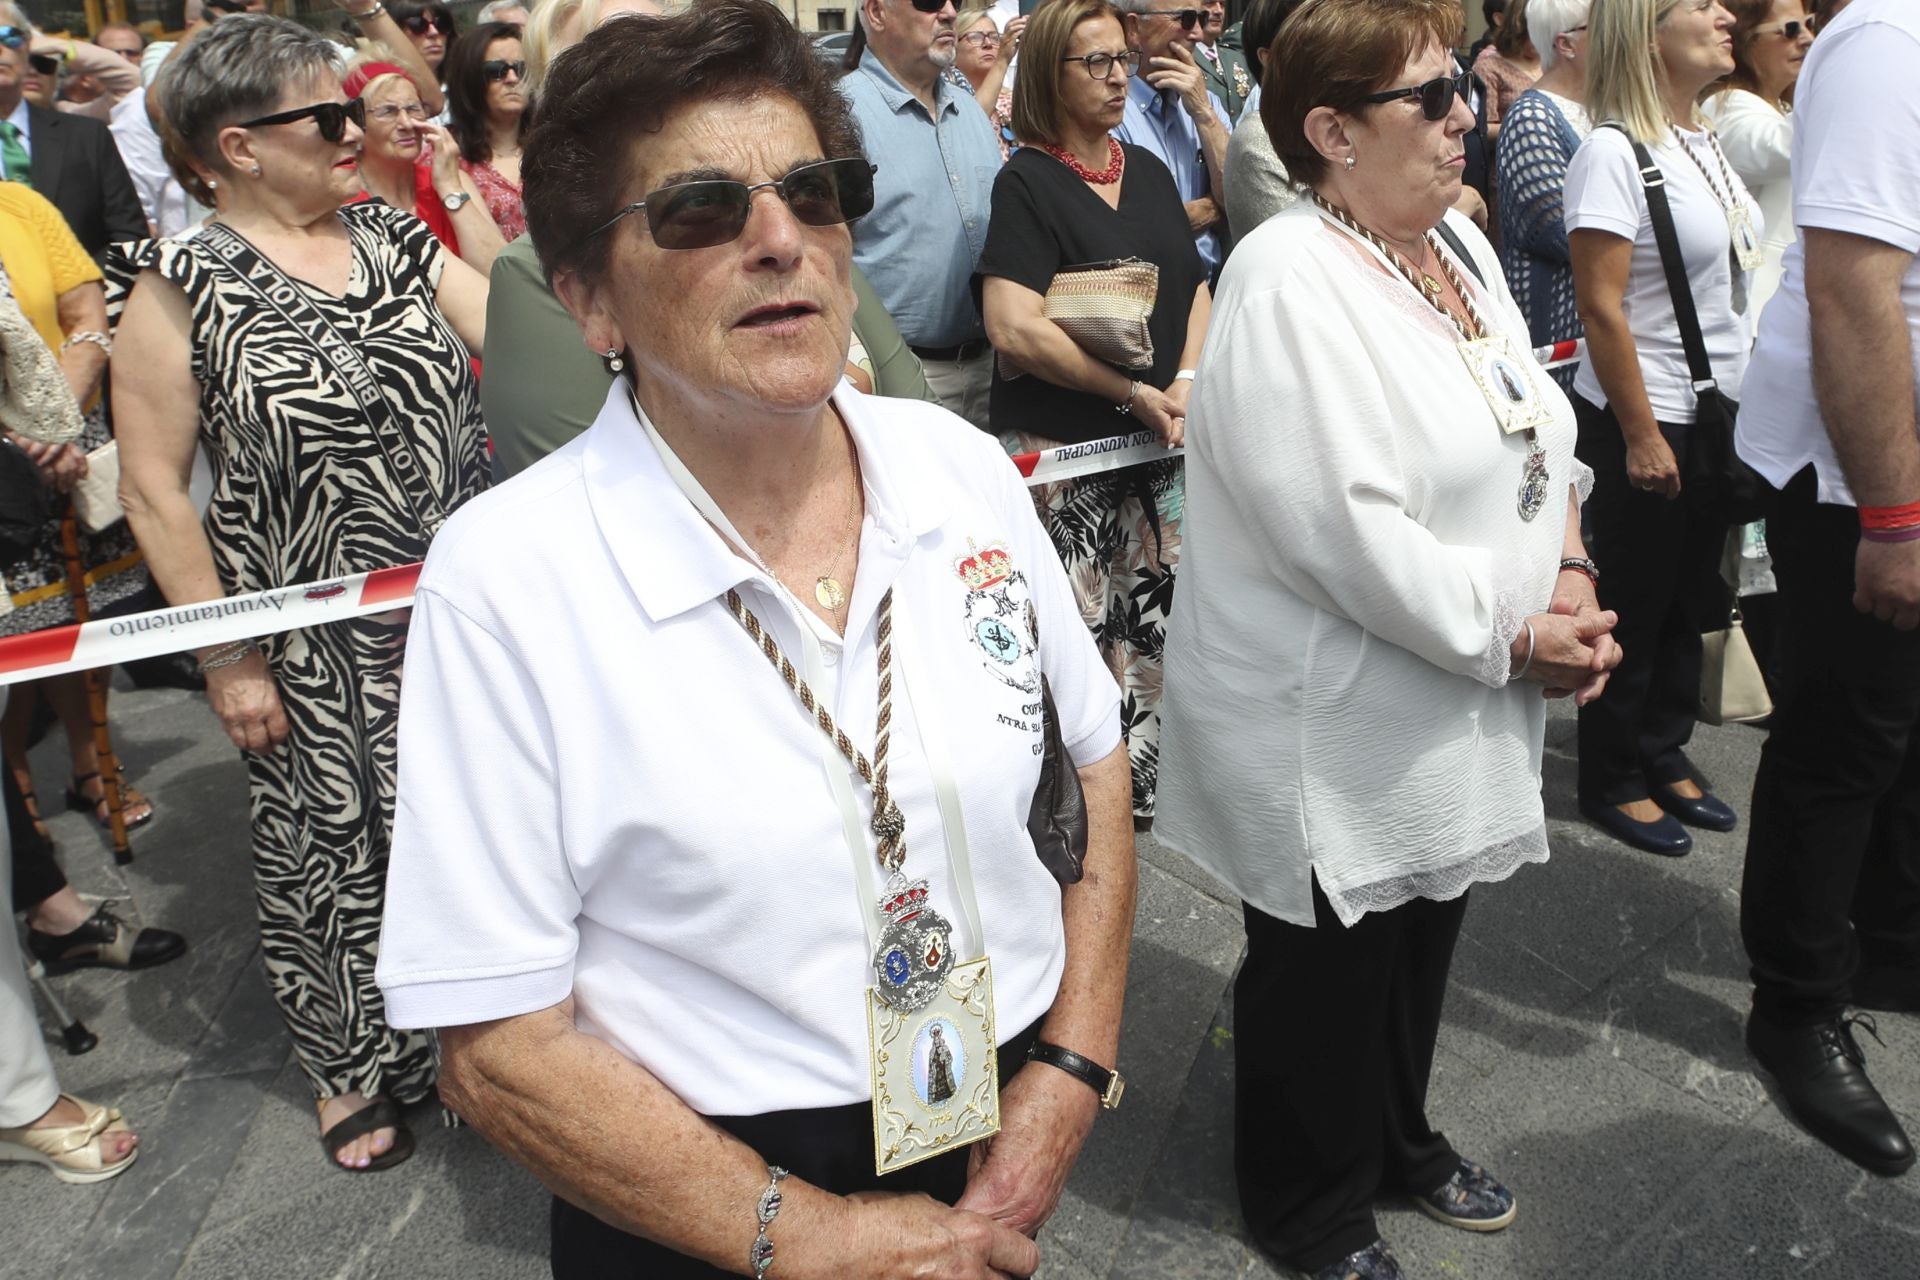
(1911, 534)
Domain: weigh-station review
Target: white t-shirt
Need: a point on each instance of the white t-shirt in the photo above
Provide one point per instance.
(1856, 168)
(606, 791)
(1604, 193)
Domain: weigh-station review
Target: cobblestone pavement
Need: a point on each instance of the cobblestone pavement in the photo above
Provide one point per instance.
(1591, 1057)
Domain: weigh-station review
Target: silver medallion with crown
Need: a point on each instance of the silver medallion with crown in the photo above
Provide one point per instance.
(915, 953)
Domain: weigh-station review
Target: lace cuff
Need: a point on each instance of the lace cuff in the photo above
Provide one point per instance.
(1509, 612)
(1440, 884)
(1582, 480)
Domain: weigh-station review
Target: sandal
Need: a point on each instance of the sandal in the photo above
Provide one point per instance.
(73, 1152)
(130, 802)
(379, 1115)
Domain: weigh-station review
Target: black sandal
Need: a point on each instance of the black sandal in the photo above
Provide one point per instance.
(78, 800)
(379, 1115)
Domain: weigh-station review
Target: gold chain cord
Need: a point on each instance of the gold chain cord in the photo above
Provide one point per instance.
(889, 825)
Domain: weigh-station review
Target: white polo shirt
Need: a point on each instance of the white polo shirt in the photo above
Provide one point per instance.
(1856, 168)
(606, 791)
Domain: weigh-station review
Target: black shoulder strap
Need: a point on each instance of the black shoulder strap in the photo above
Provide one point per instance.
(1459, 247)
(1660, 213)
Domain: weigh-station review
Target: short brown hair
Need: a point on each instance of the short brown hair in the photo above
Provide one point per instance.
(1036, 94)
(625, 80)
(1511, 37)
(1333, 53)
(1748, 15)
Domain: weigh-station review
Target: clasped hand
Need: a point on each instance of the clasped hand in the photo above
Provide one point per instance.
(1574, 651)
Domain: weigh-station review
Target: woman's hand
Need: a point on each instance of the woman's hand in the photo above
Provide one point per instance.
(1010, 38)
(444, 153)
(896, 1234)
(248, 704)
(1155, 408)
(1651, 466)
(61, 466)
(1572, 655)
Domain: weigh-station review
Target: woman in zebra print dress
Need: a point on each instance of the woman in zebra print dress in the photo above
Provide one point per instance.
(312, 480)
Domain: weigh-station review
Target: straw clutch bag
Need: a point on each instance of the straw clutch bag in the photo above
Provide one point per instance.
(1104, 308)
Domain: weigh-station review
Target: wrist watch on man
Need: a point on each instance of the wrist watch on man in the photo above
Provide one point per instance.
(1108, 1084)
(454, 201)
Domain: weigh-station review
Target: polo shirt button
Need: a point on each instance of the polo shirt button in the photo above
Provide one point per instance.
(830, 656)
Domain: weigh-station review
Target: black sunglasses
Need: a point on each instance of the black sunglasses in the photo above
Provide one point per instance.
(1184, 17)
(1100, 65)
(497, 68)
(931, 6)
(44, 63)
(699, 215)
(13, 37)
(1436, 96)
(332, 117)
(1790, 30)
(419, 22)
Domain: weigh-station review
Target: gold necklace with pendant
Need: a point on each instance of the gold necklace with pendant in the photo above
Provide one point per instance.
(826, 588)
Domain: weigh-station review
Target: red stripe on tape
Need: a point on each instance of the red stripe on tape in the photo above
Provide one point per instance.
(39, 648)
(390, 584)
(1564, 350)
(1026, 462)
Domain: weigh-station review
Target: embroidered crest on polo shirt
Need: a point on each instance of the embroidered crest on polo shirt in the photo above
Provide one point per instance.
(998, 614)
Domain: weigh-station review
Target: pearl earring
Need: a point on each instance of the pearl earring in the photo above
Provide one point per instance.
(613, 361)
(255, 170)
(1350, 163)
(213, 184)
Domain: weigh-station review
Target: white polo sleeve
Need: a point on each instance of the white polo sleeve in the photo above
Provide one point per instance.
(1857, 152)
(1604, 192)
(481, 907)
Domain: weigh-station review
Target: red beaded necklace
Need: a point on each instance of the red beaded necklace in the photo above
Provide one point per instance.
(1116, 161)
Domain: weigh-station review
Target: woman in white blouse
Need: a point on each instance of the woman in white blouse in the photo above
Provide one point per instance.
(1750, 115)
(1383, 582)
(1656, 535)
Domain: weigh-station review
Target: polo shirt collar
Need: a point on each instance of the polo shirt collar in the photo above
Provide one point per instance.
(897, 96)
(674, 561)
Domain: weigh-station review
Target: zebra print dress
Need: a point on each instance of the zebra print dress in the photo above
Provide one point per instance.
(303, 492)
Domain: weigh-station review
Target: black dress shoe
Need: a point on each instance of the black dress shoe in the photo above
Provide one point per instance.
(1823, 1073)
(1663, 835)
(105, 941)
(1887, 988)
(1707, 811)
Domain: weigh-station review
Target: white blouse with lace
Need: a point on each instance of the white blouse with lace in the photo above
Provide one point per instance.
(1353, 570)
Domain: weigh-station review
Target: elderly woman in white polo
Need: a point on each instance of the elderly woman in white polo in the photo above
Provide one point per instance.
(745, 684)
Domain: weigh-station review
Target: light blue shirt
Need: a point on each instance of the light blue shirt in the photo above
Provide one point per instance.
(932, 195)
(1158, 122)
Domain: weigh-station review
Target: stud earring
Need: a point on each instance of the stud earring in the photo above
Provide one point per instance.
(213, 184)
(613, 361)
(255, 170)
(1350, 164)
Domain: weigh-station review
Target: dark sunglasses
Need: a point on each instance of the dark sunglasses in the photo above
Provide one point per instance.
(497, 68)
(13, 37)
(1100, 65)
(931, 6)
(1184, 17)
(419, 23)
(44, 63)
(332, 117)
(1790, 30)
(699, 215)
(1436, 96)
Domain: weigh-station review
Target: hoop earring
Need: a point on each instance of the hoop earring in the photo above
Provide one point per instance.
(613, 361)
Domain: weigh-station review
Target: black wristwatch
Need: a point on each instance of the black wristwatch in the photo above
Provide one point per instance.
(1108, 1084)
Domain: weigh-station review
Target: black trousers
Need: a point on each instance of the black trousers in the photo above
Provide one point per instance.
(36, 876)
(1333, 1034)
(1833, 849)
(830, 1147)
(1659, 564)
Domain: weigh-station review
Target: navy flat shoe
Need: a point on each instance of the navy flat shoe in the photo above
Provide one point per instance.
(1709, 811)
(1663, 836)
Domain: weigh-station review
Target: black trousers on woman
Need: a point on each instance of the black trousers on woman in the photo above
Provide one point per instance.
(830, 1147)
(36, 876)
(1659, 564)
(1833, 850)
(1333, 1035)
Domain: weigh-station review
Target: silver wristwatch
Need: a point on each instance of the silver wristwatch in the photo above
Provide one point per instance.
(454, 201)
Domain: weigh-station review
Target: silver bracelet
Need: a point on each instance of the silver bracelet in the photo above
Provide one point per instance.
(1529, 662)
(1133, 389)
(760, 1257)
(374, 12)
(226, 655)
(94, 336)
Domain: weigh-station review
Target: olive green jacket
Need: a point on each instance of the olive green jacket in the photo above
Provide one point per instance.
(1228, 78)
(540, 386)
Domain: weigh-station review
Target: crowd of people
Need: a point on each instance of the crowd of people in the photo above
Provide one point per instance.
(727, 572)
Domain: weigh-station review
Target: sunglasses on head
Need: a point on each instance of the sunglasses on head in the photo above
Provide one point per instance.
(497, 68)
(332, 117)
(44, 63)
(419, 23)
(1436, 96)
(1184, 18)
(699, 215)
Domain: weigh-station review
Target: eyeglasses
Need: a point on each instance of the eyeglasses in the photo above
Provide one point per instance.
(1184, 18)
(332, 117)
(1100, 65)
(13, 37)
(495, 69)
(931, 6)
(131, 55)
(419, 23)
(1789, 30)
(1436, 96)
(981, 39)
(699, 215)
(44, 63)
(394, 110)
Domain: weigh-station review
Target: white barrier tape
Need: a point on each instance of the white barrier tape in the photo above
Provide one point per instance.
(1064, 462)
(1562, 353)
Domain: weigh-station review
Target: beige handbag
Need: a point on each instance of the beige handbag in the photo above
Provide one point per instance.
(96, 497)
(1104, 307)
(1732, 690)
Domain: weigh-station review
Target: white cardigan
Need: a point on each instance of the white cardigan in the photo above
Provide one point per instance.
(1353, 569)
(1758, 140)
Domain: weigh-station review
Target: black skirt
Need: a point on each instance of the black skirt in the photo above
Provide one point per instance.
(830, 1147)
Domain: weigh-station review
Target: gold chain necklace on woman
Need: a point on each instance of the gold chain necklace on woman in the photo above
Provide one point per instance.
(1496, 367)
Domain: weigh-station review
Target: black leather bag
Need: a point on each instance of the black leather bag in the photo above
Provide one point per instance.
(25, 505)
(1058, 819)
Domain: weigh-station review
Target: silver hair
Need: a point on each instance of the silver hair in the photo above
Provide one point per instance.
(491, 12)
(1139, 6)
(234, 70)
(1549, 19)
